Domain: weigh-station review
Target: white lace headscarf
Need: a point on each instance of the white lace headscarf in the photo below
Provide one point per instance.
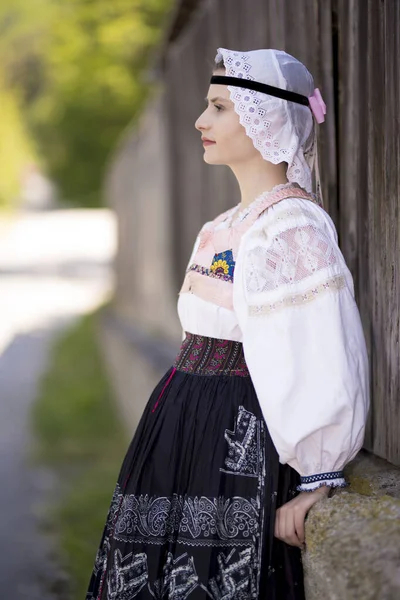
(281, 130)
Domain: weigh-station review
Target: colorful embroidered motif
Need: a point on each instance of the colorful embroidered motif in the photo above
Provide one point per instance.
(223, 263)
(209, 273)
(222, 267)
(211, 356)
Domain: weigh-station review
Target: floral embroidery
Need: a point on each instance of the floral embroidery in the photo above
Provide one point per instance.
(234, 524)
(223, 263)
(220, 266)
(199, 521)
(205, 271)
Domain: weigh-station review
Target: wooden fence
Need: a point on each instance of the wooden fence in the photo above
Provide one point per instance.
(352, 48)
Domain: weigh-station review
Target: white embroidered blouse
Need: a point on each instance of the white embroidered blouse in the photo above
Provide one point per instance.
(275, 279)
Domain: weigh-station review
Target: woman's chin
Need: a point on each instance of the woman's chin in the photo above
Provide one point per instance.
(211, 160)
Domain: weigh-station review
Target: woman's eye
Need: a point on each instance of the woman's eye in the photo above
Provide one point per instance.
(217, 106)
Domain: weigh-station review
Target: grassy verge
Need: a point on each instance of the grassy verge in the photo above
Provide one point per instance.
(80, 436)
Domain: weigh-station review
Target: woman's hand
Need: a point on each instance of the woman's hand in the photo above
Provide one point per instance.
(290, 517)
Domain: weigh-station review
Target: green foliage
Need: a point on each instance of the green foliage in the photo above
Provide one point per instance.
(16, 148)
(80, 65)
(80, 436)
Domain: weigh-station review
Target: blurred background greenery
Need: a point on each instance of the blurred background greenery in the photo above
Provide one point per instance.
(72, 76)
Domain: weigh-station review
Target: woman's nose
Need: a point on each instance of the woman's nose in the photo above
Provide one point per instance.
(201, 123)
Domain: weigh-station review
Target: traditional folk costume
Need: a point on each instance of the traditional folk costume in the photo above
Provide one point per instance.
(269, 393)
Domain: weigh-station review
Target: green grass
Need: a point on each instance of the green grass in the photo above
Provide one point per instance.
(80, 435)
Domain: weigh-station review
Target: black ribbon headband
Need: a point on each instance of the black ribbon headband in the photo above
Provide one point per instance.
(261, 87)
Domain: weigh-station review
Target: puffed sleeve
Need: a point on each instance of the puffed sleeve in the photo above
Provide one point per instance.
(303, 340)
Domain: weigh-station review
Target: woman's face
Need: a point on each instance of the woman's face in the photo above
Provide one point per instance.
(220, 123)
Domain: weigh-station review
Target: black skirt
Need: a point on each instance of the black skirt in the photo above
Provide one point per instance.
(193, 511)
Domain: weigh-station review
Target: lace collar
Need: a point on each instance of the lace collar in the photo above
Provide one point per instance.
(238, 217)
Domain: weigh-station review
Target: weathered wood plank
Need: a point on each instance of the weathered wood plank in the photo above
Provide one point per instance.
(352, 48)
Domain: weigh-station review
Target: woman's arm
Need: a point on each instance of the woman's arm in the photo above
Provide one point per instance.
(305, 348)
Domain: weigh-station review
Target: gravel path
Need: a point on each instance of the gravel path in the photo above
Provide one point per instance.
(53, 267)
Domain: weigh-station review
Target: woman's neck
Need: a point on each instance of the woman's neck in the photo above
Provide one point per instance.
(254, 181)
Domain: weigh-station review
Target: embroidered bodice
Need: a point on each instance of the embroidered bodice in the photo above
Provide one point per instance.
(210, 272)
(274, 278)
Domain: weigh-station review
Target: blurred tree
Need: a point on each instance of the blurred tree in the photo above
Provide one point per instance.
(79, 67)
(16, 148)
(17, 60)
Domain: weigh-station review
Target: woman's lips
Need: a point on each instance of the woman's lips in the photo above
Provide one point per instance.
(207, 143)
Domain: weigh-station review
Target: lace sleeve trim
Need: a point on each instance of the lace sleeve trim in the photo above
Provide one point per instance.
(331, 479)
(335, 283)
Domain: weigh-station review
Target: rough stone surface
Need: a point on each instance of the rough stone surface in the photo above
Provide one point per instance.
(353, 538)
(372, 476)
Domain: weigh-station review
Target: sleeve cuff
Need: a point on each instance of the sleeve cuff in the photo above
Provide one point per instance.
(312, 482)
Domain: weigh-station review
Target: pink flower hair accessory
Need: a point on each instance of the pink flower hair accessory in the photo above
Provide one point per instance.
(317, 106)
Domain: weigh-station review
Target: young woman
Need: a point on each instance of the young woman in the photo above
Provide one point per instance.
(267, 399)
